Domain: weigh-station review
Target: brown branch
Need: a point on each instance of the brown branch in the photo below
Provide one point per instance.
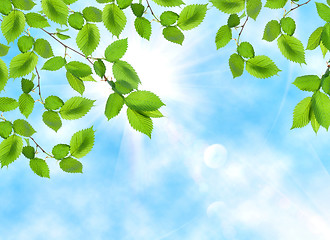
(38, 146)
(66, 46)
(39, 85)
(152, 12)
(243, 26)
(299, 5)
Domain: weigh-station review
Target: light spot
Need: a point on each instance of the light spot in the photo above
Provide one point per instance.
(215, 156)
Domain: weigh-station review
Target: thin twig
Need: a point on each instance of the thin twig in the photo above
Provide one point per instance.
(152, 11)
(39, 85)
(66, 46)
(38, 146)
(299, 5)
(240, 33)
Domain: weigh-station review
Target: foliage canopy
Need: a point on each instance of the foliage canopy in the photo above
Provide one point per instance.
(55, 17)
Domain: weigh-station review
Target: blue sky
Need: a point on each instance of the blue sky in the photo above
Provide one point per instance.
(222, 164)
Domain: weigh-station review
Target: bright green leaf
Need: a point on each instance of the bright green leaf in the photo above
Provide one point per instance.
(261, 67)
(140, 122)
(308, 83)
(26, 104)
(291, 48)
(76, 107)
(39, 167)
(7, 104)
(82, 142)
(60, 151)
(13, 25)
(52, 120)
(236, 64)
(192, 16)
(23, 128)
(114, 19)
(10, 149)
(301, 113)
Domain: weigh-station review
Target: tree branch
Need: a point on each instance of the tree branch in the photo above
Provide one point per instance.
(38, 146)
(67, 47)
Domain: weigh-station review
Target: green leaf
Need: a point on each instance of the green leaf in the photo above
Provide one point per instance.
(326, 85)
(314, 122)
(82, 142)
(233, 20)
(323, 11)
(23, 128)
(114, 19)
(60, 151)
(168, 3)
(10, 149)
(23, 4)
(43, 48)
(314, 39)
(143, 27)
(36, 20)
(121, 87)
(53, 103)
(272, 30)
(3, 50)
(71, 165)
(68, 2)
(288, 25)
(122, 4)
(116, 50)
(291, 48)
(253, 8)
(76, 107)
(99, 68)
(78, 69)
(137, 9)
(39, 167)
(88, 39)
(25, 43)
(55, 10)
(3, 75)
(153, 114)
(7, 104)
(62, 36)
(321, 107)
(245, 49)
(236, 64)
(76, 83)
(229, 6)
(114, 105)
(5, 7)
(140, 122)
(13, 25)
(223, 37)
(308, 83)
(28, 152)
(275, 4)
(261, 67)
(26, 104)
(301, 113)
(104, 1)
(76, 20)
(22, 64)
(192, 16)
(143, 101)
(5, 129)
(325, 37)
(173, 34)
(122, 71)
(54, 64)
(92, 14)
(168, 18)
(52, 120)
(27, 85)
